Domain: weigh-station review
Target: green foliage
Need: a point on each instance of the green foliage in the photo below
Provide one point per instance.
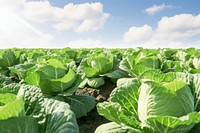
(139, 62)
(80, 104)
(19, 125)
(4, 80)
(157, 102)
(52, 77)
(99, 66)
(7, 59)
(59, 117)
(158, 90)
(10, 106)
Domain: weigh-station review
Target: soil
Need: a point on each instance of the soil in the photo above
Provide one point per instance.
(89, 123)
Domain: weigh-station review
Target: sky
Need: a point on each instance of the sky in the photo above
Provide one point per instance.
(103, 23)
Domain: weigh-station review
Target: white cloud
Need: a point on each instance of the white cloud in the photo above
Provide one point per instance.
(177, 31)
(40, 11)
(11, 4)
(183, 25)
(16, 32)
(94, 43)
(135, 34)
(156, 8)
(88, 43)
(65, 25)
(79, 17)
(20, 21)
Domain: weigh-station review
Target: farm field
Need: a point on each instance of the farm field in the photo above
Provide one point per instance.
(100, 90)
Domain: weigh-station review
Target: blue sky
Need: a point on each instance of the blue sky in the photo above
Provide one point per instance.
(105, 23)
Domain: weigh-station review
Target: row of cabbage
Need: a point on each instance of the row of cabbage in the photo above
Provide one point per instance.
(157, 89)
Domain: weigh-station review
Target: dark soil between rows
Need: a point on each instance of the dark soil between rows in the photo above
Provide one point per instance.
(89, 123)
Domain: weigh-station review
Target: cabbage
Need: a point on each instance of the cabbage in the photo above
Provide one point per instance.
(156, 103)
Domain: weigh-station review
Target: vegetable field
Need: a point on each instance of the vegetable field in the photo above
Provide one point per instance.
(130, 90)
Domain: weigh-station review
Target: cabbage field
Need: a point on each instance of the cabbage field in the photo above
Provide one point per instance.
(132, 90)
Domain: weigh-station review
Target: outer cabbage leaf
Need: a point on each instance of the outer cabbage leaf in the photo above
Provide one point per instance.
(182, 55)
(73, 88)
(19, 125)
(56, 63)
(127, 96)
(187, 78)
(196, 90)
(34, 79)
(12, 116)
(11, 88)
(35, 54)
(49, 85)
(136, 65)
(10, 106)
(127, 64)
(95, 82)
(167, 54)
(7, 59)
(33, 98)
(172, 99)
(4, 80)
(114, 112)
(172, 66)
(111, 127)
(23, 70)
(96, 65)
(90, 72)
(155, 75)
(174, 124)
(123, 81)
(101, 62)
(80, 104)
(150, 61)
(83, 82)
(60, 118)
(116, 74)
(160, 77)
(64, 82)
(52, 115)
(122, 108)
(52, 72)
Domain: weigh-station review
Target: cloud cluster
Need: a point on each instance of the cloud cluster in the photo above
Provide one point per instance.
(135, 34)
(156, 8)
(179, 26)
(11, 4)
(177, 31)
(16, 32)
(20, 21)
(94, 43)
(78, 17)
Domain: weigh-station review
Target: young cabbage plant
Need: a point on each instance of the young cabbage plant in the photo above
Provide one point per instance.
(30, 112)
(13, 117)
(8, 58)
(95, 68)
(156, 103)
(52, 77)
(138, 62)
